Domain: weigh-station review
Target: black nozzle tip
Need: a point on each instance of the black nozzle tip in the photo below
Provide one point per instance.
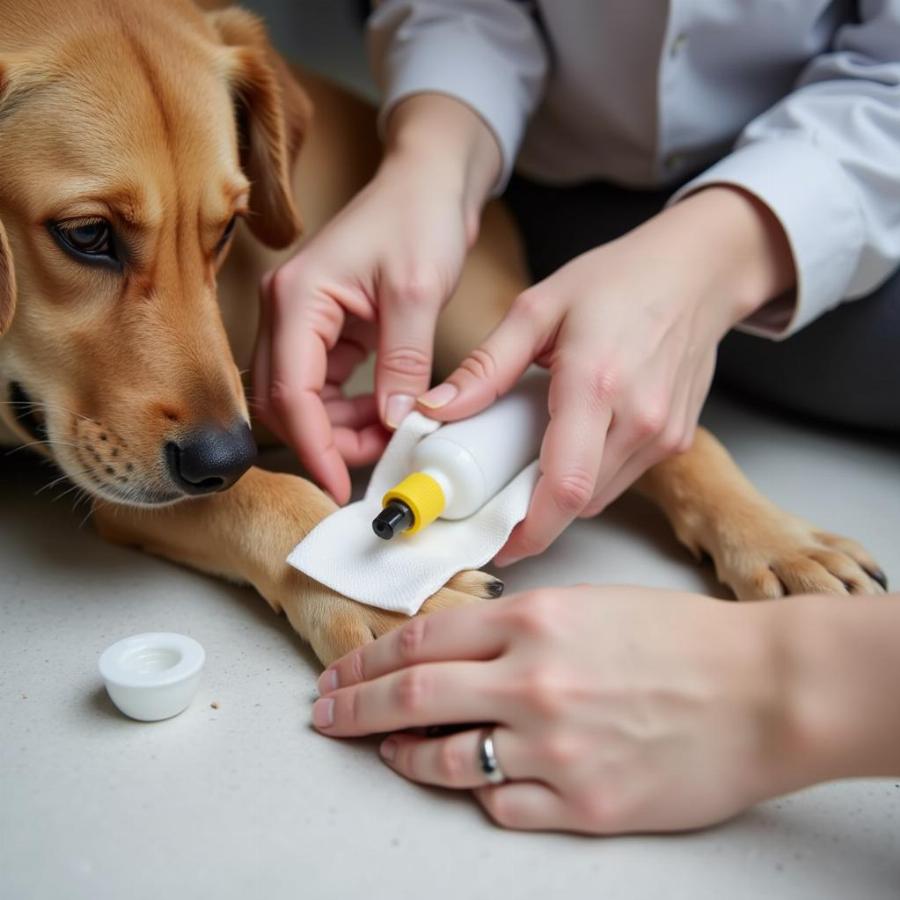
(393, 519)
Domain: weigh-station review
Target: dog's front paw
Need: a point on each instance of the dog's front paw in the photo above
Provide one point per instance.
(773, 554)
(334, 625)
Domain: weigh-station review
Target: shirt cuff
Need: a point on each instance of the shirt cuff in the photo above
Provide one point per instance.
(815, 202)
(460, 63)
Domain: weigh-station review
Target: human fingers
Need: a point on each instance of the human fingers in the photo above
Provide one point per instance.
(454, 761)
(361, 446)
(468, 633)
(350, 412)
(573, 446)
(677, 438)
(629, 472)
(407, 317)
(526, 806)
(496, 365)
(302, 333)
(430, 694)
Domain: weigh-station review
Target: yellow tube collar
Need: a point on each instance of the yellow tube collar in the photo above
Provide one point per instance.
(423, 495)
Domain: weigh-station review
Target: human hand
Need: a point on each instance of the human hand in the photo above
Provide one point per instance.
(375, 278)
(613, 709)
(629, 333)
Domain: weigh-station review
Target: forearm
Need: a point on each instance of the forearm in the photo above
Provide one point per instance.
(450, 141)
(841, 663)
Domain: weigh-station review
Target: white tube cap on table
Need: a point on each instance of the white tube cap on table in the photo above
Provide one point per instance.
(152, 676)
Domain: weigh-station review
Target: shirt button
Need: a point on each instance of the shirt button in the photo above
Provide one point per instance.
(678, 44)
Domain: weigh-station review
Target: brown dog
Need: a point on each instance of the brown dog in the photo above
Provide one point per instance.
(133, 136)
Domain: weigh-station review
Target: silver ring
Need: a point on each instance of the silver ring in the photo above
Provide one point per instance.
(487, 758)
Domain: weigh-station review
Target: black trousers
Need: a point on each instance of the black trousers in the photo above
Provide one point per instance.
(843, 368)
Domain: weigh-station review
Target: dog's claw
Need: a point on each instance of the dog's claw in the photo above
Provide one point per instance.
(476, 584)
(877, 575)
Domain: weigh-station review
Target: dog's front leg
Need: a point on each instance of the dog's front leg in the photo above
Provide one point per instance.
(758, 549)
(245, 534)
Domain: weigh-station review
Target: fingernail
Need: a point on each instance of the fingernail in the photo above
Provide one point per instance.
(397, 408)
(323, 713)
(439, 396)
(328, 681)
(388, 749)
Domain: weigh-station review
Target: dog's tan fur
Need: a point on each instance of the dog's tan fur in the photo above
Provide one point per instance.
(124, 110)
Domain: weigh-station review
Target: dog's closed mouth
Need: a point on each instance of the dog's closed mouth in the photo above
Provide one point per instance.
(25, 411)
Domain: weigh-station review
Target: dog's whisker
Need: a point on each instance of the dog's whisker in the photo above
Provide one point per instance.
(47, 407)
(72, 488)
(47, 443)
(65, 476)
(115, 495)
(80, 497)
(50, 484)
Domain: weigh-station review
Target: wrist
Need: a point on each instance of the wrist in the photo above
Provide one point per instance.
(765, 696)
(446, 141)
(800, 734)
(738, 247)
(842, 668)
(795, 755)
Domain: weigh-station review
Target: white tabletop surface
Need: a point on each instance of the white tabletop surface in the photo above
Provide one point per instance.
(246, 801)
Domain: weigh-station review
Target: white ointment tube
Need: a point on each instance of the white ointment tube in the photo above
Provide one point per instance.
(462, 465)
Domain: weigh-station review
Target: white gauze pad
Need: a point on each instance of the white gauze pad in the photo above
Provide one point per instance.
(343, 553)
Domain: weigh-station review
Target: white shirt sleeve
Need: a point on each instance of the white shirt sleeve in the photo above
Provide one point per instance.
(826, 161)
(489, 54)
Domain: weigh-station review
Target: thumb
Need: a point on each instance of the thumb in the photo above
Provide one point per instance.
(487, 372)
(407, 322)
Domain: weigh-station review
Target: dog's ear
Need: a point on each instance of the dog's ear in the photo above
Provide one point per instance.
(273, 113)
(7, 284)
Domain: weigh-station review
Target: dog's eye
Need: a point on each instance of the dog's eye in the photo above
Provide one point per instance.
(226, 235)
(91, 242)
(93, 238)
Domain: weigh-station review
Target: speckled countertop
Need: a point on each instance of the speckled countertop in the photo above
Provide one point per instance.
(246, 801)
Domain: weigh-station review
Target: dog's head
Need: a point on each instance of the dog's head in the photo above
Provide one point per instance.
(133, 136)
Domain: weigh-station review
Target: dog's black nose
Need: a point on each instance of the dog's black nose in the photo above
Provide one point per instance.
(211, 459)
